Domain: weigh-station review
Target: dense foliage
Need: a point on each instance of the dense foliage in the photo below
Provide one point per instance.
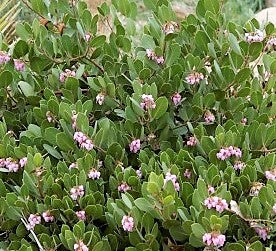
(163, 140)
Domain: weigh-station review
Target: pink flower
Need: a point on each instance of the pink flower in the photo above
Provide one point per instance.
(271, 41)
(81, 215)
(67, 73)
(87, 36)
(73, 165)
(100, 98)
(238, 165)
(207, 238)
(74, 119)
(80, 246)
(124, 187)
(77, 191)
(23, 162)
(262, 232)
(2, 162)
(188, 173)
(244, 121)
(135, 146)
(194, 78)
(227, 152)
(176, 98)
(209, 117)
(271, 175)
(139, 173)
(173, 179)
(19, 65)
(47, 216)
(211, 189)
(170, 27)
(83, 141)
(49, 116)
(11, 165)
(128, 223)
(147, 102)
(94, 174)
(274, 208)
(214, 238)
(33, 220)
(257, 36)
(152, 56)
(215, 202)
(192, 141)
(4, 57)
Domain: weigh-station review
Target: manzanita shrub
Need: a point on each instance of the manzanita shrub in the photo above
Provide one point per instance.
(153, 138)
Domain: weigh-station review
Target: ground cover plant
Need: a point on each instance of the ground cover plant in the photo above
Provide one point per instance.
(159, 140)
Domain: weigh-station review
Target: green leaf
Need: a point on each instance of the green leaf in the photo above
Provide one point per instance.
(6, 79)
(243, 74)
(202, 40)
(212, 5)
(161, 107)
(127, 201)
(26, 88)
(64, 142)
(198, 230)
(21, 48)
(52, 151)
(234, 44)
(143, 204)
(173, 54)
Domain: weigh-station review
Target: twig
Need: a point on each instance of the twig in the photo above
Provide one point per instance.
(23, 219)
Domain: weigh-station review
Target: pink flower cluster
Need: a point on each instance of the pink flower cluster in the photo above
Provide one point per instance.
(271, 41)
(173, 179)
(77, 191)
(192, 141)
(4, 57)
(124, 187)
(47, 216)
(257, 36)
(209, 117)
(239, 165)
(215, 202)
(81, 215)
(262, 232)
(100, 98)
(151, 55)
(128, 223)
(94, 174)
(12, 165)
(176, 98)
(64, 75)
(147, 102)
(80, 246)
(214, 239)
(135, 146)
(194, 78)
(188, 173)
(271, 175)
(227, 152)
(33, 220)
(74, 119)
(19, 65)
(83, 141)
